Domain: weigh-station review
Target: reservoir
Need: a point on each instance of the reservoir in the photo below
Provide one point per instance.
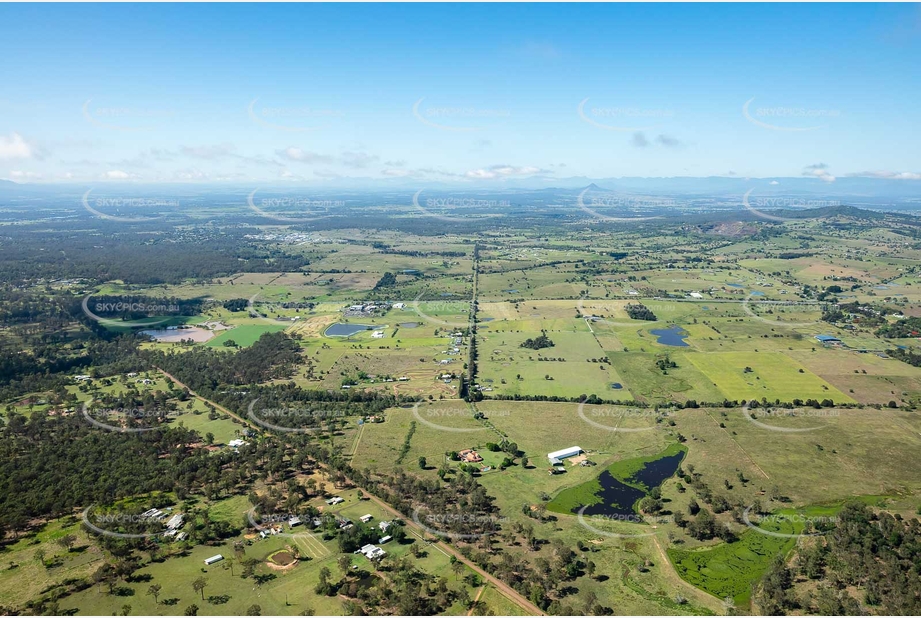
(617, 498)
(346, 330)
(673, 335)
(175, 335)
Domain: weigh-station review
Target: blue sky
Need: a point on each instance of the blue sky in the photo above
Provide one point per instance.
(473, 94)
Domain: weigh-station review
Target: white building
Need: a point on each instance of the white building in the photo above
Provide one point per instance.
(557, 456)
(399, 305)
(214, 559)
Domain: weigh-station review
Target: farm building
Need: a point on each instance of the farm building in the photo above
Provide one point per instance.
(557, 456)
(827, 339)
(469, 456)
(213, 559)
(366, 518)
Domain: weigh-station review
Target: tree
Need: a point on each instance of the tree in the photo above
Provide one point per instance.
(457, 567)
(199, 586)
(126, 609)
(154, 591)
(344, 562)
(254, 610)
(191, 610)
(67, 541)
(422, 463)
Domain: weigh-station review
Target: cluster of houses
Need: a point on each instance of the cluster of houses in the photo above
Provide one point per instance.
(173, 524)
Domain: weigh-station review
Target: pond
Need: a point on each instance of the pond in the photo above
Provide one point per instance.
(346, 330)
(735, 285)
(175, 335)
(617, 498)
(673, 335)
(409, 325)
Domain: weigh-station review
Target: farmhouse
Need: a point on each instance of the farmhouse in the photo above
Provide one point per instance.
(469, 455)
(366, 518)
(556, 457)
(372, 552)
(827, 339)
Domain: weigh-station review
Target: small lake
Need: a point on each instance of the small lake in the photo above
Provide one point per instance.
(757, 293)
(735, 285)
(346, 330)
(673, 335)
(175, 335)
(617, 498)
(409, 325)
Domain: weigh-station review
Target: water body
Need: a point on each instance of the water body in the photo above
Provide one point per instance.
(617, 498)
(487, 319)
(617, 386)
(346, 330)
(757, 293)
(673, 335)
(175, 335)
(408, 325)
(735, 285)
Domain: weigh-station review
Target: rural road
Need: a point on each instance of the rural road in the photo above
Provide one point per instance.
(208, 401)
(507, 590)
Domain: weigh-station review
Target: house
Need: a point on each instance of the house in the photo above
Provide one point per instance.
(294, 521)
(356, 308)
(366, 518)
(468, 455)
(827, 339)
(556, 457)
(83, 378)
(175, 521)
(335, 500)
(236, 443)
(213, 559)
(696, 295)
(378, 334)
(399, 305)
(383, 526)
(372, 552)
(181, 536)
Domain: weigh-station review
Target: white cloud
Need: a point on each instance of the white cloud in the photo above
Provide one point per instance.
(22, 175)
(116, 175)
(15, 147)
(503, 171)
(215, 151)
(302, 156)
(820, 171)
(888, 174)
